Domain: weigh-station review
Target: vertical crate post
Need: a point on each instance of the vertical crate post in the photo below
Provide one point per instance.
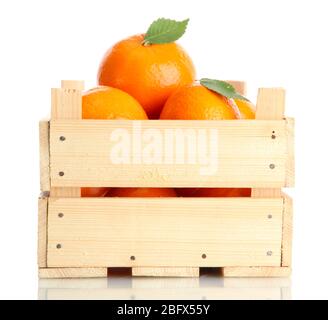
(42, 231)
(45, 188)
(270, 106)
(66, 103)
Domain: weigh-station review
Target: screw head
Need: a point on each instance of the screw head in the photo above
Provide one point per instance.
(273, 136)
(269, 253)
(62, 138)
(132, 258)
(61, 173)
(204, 256)
(60, 215)
(58, 246)
(272, 166)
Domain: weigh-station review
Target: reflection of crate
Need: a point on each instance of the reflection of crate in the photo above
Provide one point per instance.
(82, 237)
(207, 287)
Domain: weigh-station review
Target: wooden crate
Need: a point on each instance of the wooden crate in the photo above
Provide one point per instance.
(244, 237)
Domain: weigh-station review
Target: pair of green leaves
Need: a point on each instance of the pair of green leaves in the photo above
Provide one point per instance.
(166, 31)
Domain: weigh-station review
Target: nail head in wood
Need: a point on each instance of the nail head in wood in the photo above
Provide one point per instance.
(61, 173)
(132, 258)
(204, 256)
(269, 216)
(60, 215)
(58, 246)
(62, 138)
(272, 166)
(269, 253)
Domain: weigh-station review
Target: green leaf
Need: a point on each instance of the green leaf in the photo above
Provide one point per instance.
(222, 87)
(165, 31)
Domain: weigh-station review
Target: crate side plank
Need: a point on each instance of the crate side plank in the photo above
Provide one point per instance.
(290, 166)
(44, 156)
(257, 272)
(61, 273)
(68, 192)
(287, 232)
(270, 105)
(42, 232)
(66, 103)
(176, 232)
(245, 152)
(165, 272)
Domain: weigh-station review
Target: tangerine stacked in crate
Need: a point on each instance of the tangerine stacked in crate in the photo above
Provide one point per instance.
(83, 237)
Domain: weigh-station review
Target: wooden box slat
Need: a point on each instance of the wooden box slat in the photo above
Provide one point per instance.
(164, 232)
(245, 151)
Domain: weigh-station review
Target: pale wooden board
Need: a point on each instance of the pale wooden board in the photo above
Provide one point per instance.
(44, 156)
(261, 272)
(290, 175)
(67, 192)
(165, 272)
(287, 232)
(54, 273)
(270, 106)
(245, 151)
(66, 103)
(266, 193)
(163, 232)
(42, 232)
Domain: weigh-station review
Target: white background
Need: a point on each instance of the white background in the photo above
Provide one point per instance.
(267, 43)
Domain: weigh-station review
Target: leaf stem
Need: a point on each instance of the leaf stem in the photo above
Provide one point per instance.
(145, 43)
